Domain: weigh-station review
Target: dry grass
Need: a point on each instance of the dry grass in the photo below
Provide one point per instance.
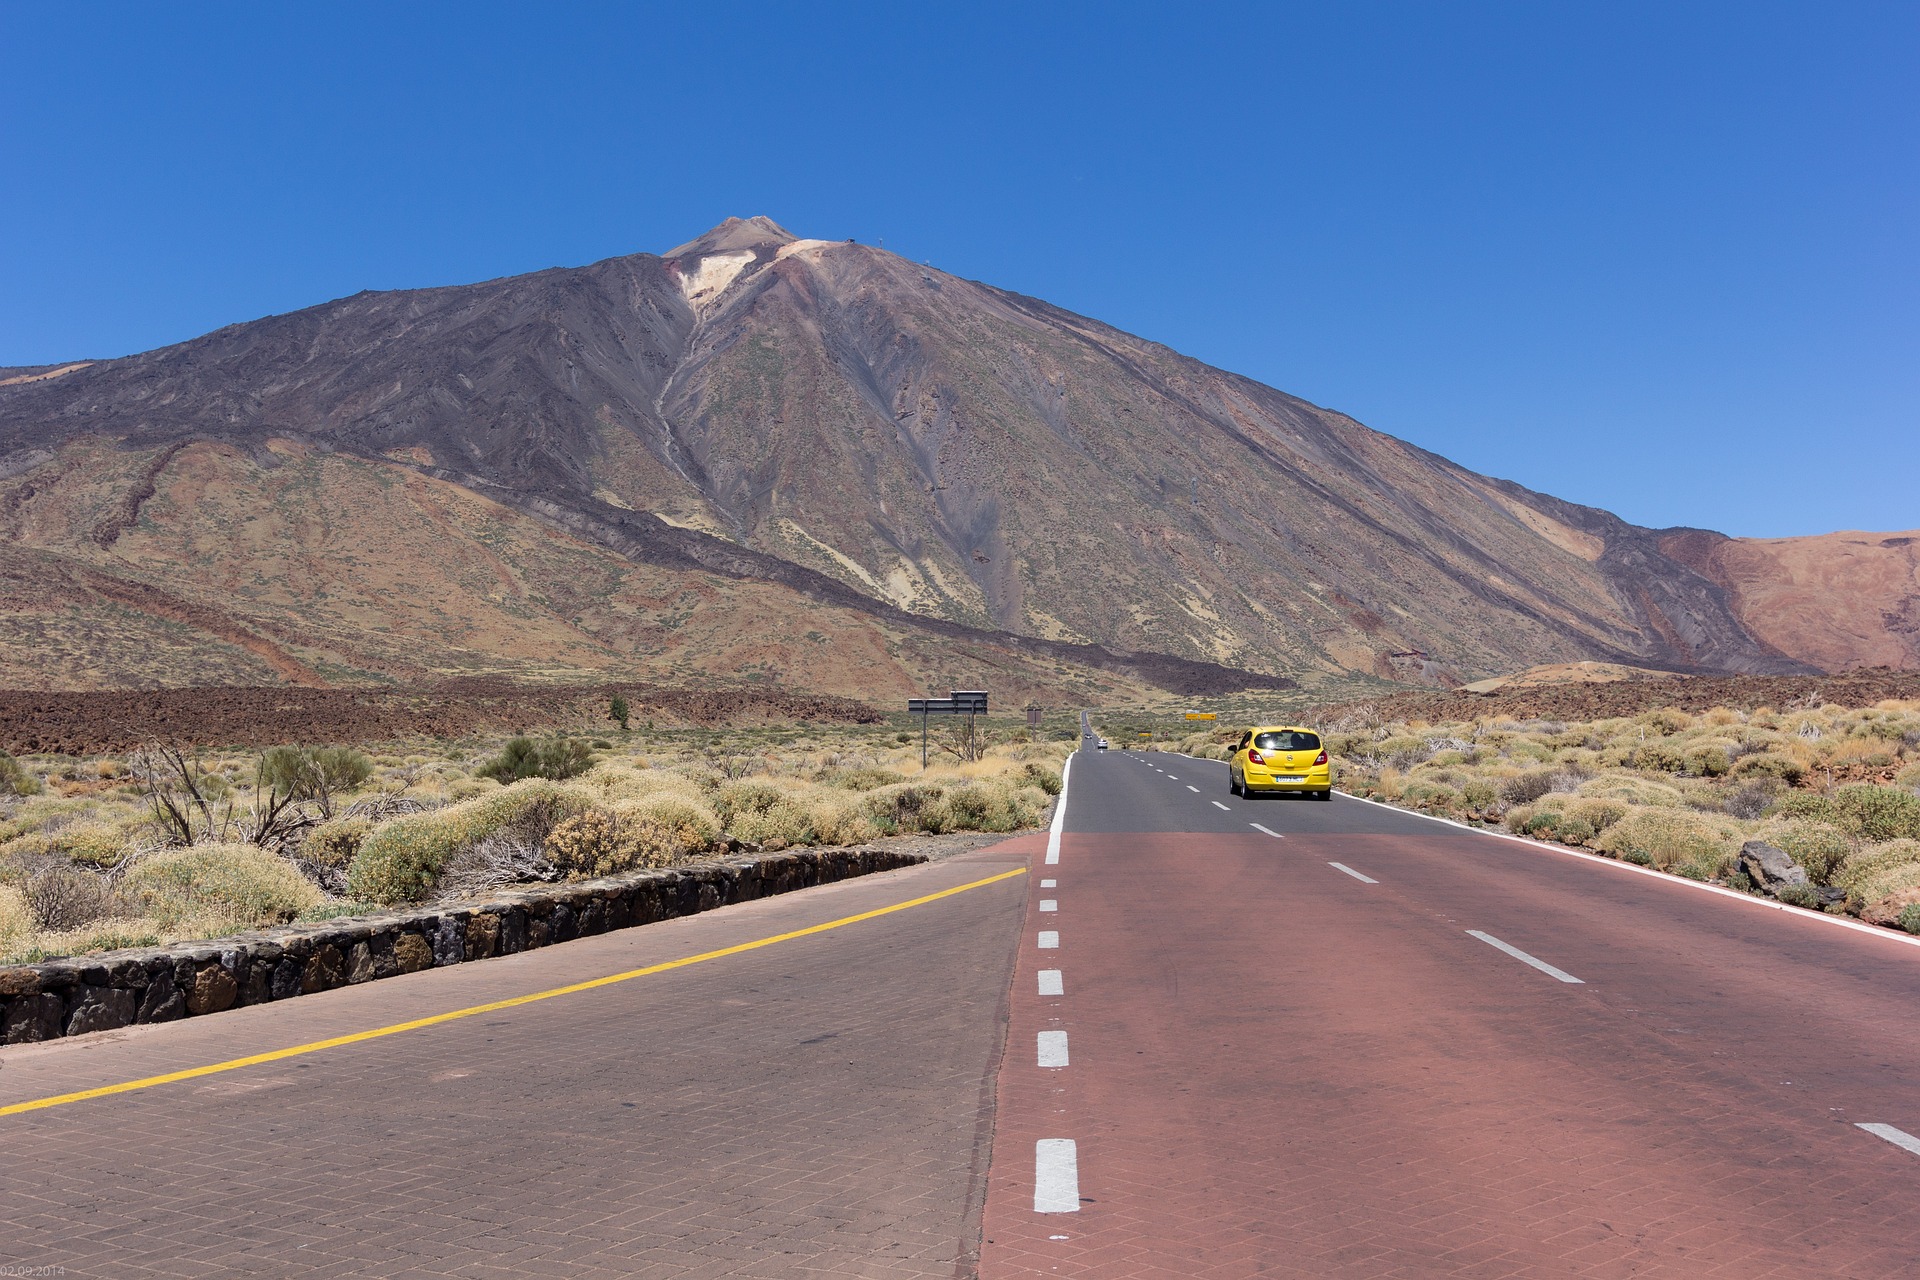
(426, 826)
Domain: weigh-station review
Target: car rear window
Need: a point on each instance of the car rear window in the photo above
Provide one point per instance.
(1287, 740)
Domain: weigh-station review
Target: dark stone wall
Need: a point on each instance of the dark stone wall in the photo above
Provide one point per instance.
(100, 993)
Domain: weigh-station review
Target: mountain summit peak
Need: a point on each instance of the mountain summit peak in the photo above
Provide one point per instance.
(734, 235)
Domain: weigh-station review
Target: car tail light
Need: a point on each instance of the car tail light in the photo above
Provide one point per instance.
(1254, 757)
(1321, 758)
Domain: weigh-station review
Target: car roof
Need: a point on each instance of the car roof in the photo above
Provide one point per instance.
(1280, 728)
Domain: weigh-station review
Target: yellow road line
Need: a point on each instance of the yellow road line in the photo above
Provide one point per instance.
(277, 1055)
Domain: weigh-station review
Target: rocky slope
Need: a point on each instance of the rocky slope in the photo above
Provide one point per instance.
(690, 465)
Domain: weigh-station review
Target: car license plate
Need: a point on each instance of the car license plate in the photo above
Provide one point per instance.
(1289, 777)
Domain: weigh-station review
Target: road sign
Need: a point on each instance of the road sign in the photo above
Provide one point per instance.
(1033, 715)
(1202, 715)
(962, 702)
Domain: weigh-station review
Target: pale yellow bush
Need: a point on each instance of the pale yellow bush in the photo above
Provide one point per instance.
(217, 887)
(333, 844)
(1692, 844)
(1631, 790)
(15, 920)
(1881, 871)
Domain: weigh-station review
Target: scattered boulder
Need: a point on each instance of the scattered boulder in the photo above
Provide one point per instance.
(1769, 867)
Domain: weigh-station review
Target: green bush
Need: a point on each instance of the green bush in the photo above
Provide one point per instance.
(401, 860)
(1798, 895)
(555, 759)
(1048, 780)
(864, 779)
(1878, 813)
(14, 778)
(312, 773)
(1706, 761)
(1877, 873)
(1910, 917)
(1673, 838)
(215, 888)
(900, 808)
(1660, 756)
(1478, 795)
(1768, 764)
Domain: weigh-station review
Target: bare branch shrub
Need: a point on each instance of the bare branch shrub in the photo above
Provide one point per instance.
(62, 898)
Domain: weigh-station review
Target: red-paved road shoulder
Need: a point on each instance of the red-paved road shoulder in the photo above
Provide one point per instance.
(1277, 1069)
(816, 1107)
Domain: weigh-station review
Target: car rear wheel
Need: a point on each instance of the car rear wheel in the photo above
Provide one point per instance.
(1323, 795)
(1233, 785)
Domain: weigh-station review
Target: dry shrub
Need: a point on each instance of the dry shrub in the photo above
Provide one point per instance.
(402, 860)
(61, 898)
(215, 888)
(1599, 814)
(1692, 844)
(899, 808)
(16, 918)
(1770, 764)
(333, 844)
(1884, 871)
(1525, 788)
(773, 824)
(1630, 790)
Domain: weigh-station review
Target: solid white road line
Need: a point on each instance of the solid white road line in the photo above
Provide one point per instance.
(1218, 805)
(1052, 983)
(1056, 1176)
(1053, 1048)
(1049, 904)
(1898, 1137)
(1275, 834)
(1341, 866)
(1193, 788)
(1049, 939)
(1049, 884)
(1059, 814)
(1522, 956)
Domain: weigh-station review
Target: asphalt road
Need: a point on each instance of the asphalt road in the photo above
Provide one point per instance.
(1215, 1037)
(1332, 1039)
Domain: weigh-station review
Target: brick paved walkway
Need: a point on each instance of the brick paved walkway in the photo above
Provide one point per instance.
(814, 1108)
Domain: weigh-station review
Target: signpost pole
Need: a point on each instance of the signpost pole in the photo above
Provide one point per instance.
(923, 740)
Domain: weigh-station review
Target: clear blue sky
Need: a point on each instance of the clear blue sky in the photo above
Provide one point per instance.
(1655, 257)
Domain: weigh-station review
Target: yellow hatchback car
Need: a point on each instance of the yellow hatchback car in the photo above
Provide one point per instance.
(1280, 757)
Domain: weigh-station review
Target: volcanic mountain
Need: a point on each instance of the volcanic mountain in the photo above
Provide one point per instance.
(759, 457)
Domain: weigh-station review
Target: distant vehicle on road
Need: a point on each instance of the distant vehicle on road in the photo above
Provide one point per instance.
(1103, 744)
(1280, 758)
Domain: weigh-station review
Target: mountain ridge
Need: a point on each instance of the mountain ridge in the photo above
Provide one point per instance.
(895, 442)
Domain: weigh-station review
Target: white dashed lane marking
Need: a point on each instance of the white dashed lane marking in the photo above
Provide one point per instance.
(1049, 904)
(1056, 1176)
(1049, 939)
(1049, 884)
(1523, 957)
(1341, 866)
(1052, 1048)
(1275, 834)
(1898, 1137)
(1218, 805)
(1052, 983)
(1193, 788)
